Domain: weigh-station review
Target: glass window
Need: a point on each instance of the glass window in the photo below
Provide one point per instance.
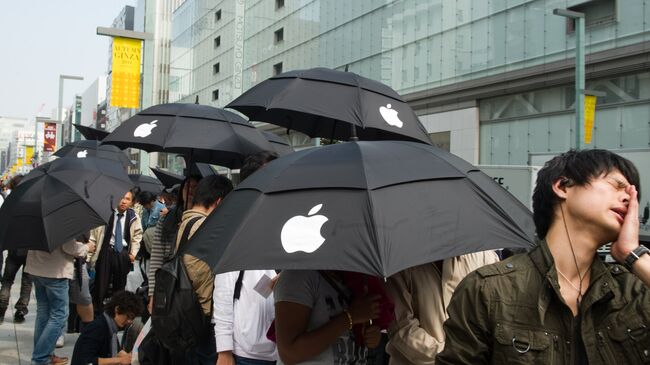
(215, 68)
(279, 4)
(278, 36)
(217, 15)
(441, 140)
(215, 94)
(217, 42)
(277, 68)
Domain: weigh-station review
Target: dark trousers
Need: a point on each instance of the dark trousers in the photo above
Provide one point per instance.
(204, 353)
(12, 265)
(111, 270)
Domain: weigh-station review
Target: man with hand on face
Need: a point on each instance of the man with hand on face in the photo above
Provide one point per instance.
(117, 245)
(560, 303)
(98, 343)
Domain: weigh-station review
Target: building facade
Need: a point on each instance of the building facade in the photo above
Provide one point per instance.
(492, 80)
(91, 100)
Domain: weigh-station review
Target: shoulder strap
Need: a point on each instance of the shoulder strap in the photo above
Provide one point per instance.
(186, 234)
(238, 285)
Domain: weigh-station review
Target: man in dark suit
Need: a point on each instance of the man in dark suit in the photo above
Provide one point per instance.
(98, 342)
(117, 245)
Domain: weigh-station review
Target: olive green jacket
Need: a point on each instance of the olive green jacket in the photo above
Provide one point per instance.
(512, 312)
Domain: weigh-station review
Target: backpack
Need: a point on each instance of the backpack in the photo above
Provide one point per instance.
(177, 318)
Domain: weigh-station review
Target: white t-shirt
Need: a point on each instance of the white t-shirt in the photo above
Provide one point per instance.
(310, 289)
(241, 326)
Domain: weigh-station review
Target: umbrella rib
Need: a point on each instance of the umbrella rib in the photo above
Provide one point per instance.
(375, 234)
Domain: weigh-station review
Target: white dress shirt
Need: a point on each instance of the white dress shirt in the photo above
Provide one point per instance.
(125, 244)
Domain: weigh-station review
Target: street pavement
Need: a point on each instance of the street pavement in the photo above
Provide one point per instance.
(16, 340)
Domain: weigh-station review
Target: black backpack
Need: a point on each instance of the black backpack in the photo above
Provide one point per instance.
(177, 319)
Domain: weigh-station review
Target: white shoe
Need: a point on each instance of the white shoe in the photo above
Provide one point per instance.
(60, 342)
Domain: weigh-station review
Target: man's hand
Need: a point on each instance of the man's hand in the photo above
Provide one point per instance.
(124, 357)
(150, 304)
(225, 358)
(132, 258)
(164, 211)
(628, 237)
(91, 247)
(371, 336)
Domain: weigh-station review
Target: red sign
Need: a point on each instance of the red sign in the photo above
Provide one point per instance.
(49, 140)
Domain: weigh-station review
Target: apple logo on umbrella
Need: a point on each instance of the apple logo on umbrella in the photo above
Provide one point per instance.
(302, 233)
(82, 154)
(144, 130)
(390, 116)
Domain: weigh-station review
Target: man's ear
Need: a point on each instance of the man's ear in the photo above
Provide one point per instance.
(560, 187)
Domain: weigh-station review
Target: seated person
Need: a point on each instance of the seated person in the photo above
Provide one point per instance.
(98, 343)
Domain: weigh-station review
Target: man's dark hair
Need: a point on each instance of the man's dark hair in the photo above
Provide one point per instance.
(15, 181)
(210, 189)
(174, 217)
(252, 163)
(129, 303)
(146, 197)
(578, 168)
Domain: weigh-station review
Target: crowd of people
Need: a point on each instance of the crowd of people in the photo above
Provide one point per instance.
(559, 303)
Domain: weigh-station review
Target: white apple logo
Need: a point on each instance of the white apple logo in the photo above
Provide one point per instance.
(390, 116)
(302, 233)
(82, 154)
(144, 130)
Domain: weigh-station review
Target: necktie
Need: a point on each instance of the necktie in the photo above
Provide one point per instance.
(118, 233)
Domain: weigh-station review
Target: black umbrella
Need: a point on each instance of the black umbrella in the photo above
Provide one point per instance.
(93, 148)
(321, 102)
(60, 200)
(167, 178)
(90, 133)
(147, 183)
(373, 207)
(280, 146)
(201, 133)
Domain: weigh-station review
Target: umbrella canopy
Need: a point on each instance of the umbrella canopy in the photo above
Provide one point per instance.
(199, 132)
(60, 200)
(91, 133)
(278, 144)
(372, 207)
(93, 148)
(147, 183)
(167, 178)
(321, 102)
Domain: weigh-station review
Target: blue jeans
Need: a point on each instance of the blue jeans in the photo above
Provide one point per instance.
(51, 316)
(246, 361)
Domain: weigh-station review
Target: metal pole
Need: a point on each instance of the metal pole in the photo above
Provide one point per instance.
(60, 116)
(580, 77)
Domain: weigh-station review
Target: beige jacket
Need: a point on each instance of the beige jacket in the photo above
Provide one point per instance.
(58, 264)
(421, 296)
(97, 237)
(198, 271)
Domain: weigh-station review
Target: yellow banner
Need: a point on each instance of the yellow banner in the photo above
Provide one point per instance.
(125, 76)
(19, 162)
(590, 114)
(29, 155)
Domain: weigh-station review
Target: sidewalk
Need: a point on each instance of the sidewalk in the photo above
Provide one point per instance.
(16, 340)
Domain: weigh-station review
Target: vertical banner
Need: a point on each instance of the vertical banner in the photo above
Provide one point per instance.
(29, 155)
(49, 137)
(125, 76)
(238, 49)
(590, 114)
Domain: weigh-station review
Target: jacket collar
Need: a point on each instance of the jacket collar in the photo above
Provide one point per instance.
(602, 285)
